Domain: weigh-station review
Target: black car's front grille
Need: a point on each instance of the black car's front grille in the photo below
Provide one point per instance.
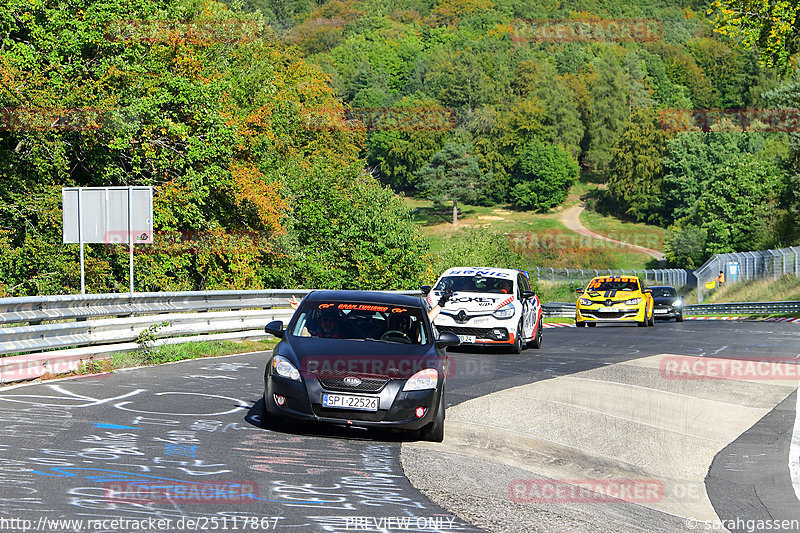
(367, 383)
(348, 414)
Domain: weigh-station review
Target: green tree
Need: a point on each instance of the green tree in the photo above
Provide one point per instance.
(634, 172)
(452, 175)
(738, 206)
(771, 26)
(545, 173)
(685, 246)
(608, 111)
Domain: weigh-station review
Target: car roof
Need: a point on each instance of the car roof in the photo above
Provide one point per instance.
(485, 271)
(388, 298)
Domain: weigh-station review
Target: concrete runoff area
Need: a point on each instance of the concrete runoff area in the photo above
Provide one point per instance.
(625, 421)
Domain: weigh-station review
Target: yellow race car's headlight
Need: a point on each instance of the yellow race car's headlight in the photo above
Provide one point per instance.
(633, 301)
(584, 301)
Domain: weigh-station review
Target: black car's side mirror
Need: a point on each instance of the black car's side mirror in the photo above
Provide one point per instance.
(648, 291)
(447, 338)
(425, 289)
(528, 294)
(275, 328)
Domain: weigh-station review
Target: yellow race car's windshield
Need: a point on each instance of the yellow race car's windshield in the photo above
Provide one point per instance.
(613, 286)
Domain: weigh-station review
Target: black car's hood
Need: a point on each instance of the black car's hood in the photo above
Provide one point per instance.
(360, 357)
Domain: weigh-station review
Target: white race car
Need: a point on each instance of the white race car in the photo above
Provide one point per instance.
(489, 306)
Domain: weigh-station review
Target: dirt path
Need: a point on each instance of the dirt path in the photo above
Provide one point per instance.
(571, 219)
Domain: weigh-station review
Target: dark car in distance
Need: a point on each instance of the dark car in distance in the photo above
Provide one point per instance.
(667, 303)
(359, 358)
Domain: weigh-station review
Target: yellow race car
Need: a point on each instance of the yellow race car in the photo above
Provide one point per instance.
(614, 299)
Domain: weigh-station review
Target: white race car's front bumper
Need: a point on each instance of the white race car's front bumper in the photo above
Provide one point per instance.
(480, 330)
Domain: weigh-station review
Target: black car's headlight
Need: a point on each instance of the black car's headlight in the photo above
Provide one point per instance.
(422, 380)
(677, 303)
(282, 367)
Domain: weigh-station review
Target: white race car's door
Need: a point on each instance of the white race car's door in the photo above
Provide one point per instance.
(528, 311)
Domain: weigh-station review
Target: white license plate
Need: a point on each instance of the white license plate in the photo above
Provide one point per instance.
(466, 338)
(606, 309)
(662, 311)
(344, 401)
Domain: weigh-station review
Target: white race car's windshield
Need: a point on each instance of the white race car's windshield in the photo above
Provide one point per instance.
(361, 321)
(476, 284)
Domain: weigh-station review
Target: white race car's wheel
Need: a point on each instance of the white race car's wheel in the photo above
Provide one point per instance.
(518, 345)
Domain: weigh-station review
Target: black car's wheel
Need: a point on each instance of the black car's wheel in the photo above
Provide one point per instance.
(434, 432)
(579, 324)
(679, 318)
(537, 340)
(518, 345)
(592, 324)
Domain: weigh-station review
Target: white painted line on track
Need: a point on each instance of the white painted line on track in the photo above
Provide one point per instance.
(794, 449)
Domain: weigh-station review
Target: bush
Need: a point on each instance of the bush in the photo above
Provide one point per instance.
(544, 174)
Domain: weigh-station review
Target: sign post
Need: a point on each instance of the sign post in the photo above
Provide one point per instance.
(110, 215)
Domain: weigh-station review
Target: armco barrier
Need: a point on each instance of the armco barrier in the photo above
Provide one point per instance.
(92, 326)
(740, 308)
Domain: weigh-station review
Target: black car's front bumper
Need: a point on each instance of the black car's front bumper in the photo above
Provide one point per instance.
(667, 312)
(395, 408)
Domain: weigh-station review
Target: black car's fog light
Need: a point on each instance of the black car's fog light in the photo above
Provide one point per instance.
(280, 400)
(420, 412)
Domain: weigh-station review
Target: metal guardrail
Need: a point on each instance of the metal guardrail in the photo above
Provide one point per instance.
(564, 309)
(668, 276)
(81, 327)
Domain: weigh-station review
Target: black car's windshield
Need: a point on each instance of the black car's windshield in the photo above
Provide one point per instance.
(361, 321)
(663, 292)
(476, 284)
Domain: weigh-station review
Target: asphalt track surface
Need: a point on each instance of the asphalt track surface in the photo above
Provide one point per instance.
(99, 450)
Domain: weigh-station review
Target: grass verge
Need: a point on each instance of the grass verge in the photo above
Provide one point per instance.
(166, 354)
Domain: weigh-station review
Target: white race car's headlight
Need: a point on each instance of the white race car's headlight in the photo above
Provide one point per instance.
(633, 301)
(285, 369)
(507, 311)
(422, 380)
(678, 303)
(584, 301)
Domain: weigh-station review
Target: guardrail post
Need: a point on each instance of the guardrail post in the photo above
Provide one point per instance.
(582, 281)
(553, 274)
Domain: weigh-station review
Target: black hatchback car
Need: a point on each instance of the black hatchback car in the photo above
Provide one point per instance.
(359, 358)
(666, 303)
